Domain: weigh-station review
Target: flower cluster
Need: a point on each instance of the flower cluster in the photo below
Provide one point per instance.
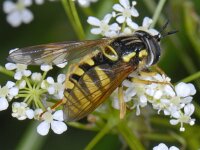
(18, 12)
(123, 14)
(161, 94)
(33, 89)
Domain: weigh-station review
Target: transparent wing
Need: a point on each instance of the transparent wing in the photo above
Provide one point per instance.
(81, 105)
(55, 53)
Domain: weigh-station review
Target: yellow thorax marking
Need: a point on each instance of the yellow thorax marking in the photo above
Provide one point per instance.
(128, 57)
(110, 53)
(143, 53)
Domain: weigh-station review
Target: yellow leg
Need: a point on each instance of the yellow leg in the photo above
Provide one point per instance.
(122, 104)
(136, 80)
(56, 105)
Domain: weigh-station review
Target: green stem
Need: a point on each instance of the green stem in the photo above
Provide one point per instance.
(77, 20)
(99, 136)
(192, 77)
(31, 139)
(6, 72)
(157, 12)
(130, 138)
(72, 14)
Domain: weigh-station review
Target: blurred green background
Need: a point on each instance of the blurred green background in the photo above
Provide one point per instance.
(181, 58)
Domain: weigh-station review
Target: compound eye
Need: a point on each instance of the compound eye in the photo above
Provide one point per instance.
(110, 53)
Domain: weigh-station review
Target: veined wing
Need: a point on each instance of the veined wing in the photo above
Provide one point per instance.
(93, 88)
(55, 53)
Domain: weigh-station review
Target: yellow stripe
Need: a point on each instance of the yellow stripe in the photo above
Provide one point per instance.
(78, 71)
(103, 77)
(89, 83)
(69, 84)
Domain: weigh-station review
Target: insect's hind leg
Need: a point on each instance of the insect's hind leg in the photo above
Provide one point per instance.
(122, 104)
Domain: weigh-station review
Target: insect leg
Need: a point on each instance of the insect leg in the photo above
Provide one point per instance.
(122, 103)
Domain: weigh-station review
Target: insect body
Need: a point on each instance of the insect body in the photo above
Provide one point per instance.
(104, 64)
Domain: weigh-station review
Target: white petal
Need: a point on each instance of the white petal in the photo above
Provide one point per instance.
(130, 92)
(50, 80)
(125, 3)
(107, 18)
(30, 113)
(176, 114)
(147, 22)
(173, 148)
(58, 115)
(114, 27)
(192, 89)
(61, 78)
(27, 16)
(118, 7)
(13, 91)
(27, 73)
(143, 99)
(10, 84)
(14, 19)
(46, 67)
(96, 31)
(8, 6)
(93, 21)
(62, 65)
(158, 94)
(58, 127)
(182, 89)
(51, 90)
(174, 122)
(18, 76)
(189, 109)
(43, 128)
(134, 12)
(120, 19)
(131, 24)
(10, 66)
(3, 104)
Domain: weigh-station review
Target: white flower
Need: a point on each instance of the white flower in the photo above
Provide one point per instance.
(146, 24)
(21, 111)
(55, 121)
(86, 3)
(183, 117)
(54, 88)
(36, 76)
(46, 67)
(102, 27)
(21, 70)
(162, 146)
(126, 12)
(17, 13)
(62, 65)
(7, 93)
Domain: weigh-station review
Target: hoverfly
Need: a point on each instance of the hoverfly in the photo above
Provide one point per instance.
(104, 64)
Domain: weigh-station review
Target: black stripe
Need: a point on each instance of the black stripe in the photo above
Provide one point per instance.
(85, 67)
(75, 77)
